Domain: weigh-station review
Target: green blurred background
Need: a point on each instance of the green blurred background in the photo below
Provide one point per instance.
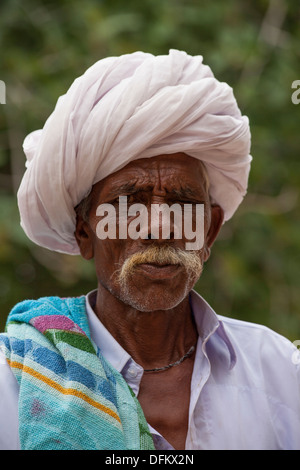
(253, 273)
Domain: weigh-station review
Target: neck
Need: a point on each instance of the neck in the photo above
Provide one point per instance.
(153, 339)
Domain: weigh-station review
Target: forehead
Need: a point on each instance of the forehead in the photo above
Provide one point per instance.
(170, 171)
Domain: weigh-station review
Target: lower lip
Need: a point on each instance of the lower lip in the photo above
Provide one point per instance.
(155, 271)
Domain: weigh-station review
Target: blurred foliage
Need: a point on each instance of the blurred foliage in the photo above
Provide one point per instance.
(253, 272)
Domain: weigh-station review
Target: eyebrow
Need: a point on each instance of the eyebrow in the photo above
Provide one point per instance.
(185, 192)
(130, 188)
(126, 188)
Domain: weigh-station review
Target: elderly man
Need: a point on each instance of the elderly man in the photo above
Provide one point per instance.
(141, 362)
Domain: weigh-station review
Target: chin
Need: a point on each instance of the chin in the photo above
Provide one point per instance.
(154, 299)
(141, 292)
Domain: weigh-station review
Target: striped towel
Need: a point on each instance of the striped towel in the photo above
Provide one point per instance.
(70, 398)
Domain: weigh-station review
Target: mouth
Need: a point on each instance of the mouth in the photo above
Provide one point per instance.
(159, 271)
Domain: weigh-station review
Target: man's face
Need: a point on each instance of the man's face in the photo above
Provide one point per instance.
(144, 273)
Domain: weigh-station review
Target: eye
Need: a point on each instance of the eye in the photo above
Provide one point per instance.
(183, 201)
(186, 201)
(131, 198)
(114, 201)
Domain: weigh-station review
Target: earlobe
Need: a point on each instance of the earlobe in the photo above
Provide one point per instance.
(83, 235)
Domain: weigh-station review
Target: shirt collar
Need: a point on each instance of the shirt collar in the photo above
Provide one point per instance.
(210, 328)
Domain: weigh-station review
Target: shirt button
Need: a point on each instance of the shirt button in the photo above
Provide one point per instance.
(132, 372)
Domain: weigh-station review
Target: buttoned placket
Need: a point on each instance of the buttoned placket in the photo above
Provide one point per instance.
(201, 373)
(133, 373)
(200, 376)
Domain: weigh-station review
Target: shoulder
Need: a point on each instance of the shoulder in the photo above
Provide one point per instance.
(43, 305)
(265, 358)
(72, 308)
(251, 335)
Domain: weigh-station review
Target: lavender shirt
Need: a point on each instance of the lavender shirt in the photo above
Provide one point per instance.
(245, 391)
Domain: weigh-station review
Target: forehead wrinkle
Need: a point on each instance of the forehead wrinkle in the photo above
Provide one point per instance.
(174, 188)
(153, 174)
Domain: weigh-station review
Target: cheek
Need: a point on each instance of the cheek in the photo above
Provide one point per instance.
(196, 225)
(109, 256)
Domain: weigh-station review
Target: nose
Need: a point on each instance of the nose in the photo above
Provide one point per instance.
(151, 236)
(160, 225)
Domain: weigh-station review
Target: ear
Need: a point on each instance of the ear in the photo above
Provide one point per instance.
(216, 221)
(84, 238)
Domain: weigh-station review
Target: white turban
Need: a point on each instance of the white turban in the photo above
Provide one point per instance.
(122, 109)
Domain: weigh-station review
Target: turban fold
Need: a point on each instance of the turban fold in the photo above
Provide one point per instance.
(122, 109)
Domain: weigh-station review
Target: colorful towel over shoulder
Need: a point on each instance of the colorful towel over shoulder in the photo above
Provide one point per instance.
(70, 398)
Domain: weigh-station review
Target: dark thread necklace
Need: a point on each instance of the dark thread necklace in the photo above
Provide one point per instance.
(160, 369)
